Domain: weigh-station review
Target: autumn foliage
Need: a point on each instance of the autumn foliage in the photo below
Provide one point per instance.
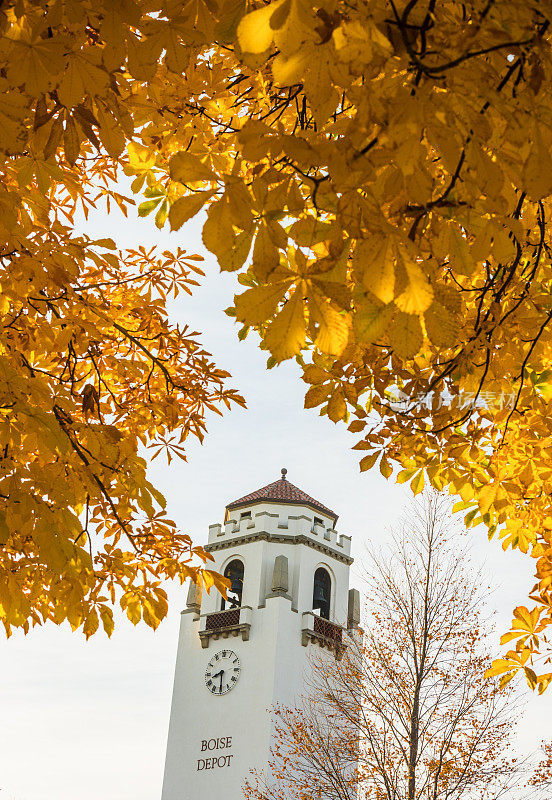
(542, 776)
(379, 175)
(92, 373)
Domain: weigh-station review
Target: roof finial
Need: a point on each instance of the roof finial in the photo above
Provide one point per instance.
(284, 473)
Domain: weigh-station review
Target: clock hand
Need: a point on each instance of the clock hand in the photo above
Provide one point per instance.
(217, 674)
(221, 676)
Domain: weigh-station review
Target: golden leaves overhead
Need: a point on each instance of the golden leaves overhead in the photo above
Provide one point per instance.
(379, 182)
(92, 373)
(286, 334)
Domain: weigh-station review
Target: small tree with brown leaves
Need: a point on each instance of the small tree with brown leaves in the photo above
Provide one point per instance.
(407, 713)
(541, 778)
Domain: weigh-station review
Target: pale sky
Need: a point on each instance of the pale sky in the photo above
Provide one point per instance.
(88, 720)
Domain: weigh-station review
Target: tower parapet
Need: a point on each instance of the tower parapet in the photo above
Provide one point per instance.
(271, 522)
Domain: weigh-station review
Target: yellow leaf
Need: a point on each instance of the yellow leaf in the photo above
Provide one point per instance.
(385, 467)
(544, 681)
(337, 407)
(71, 88)
(208, 579)
(184, 208)
(509, 637)
(461, 258)
(71, 143)
(371, 320)
(91, 623)
(530, 677)
(266, 256)
(187, 167)
(309, 231)
(134, 610)
(374, 260)
(501, 665)
(280, 14)
(317, 395)
(417, 482)
(4, 530)
(231, 13)
(106, 616)
(177, 53)
(110, 132)
(314, 374)
(108, 243)
(256, 31)
(220, 583)
(142, 58)
(526, 620)
(441, 325)
(318, 81)
(333, 331)
(405, 475)
(406, 335)
(537, 174)
(240, 204)
(418, 295)
(218, 233)
(286, 334)
(486, 497)
(81, 76)
(235, 256)
(33, 64)
(505, 679)
(288, 70)
(140, 157)
(356, 426)
(260, 303)
(368, 461)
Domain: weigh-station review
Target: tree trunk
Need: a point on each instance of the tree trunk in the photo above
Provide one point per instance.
(413, 749)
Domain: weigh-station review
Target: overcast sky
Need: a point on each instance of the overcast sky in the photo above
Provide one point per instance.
(88, 720)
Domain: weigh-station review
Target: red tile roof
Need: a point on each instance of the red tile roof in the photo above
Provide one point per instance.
(282, 491)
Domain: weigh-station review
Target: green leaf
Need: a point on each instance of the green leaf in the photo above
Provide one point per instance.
(148, 206)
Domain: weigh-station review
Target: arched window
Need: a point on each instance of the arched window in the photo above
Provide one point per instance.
(322, 592)
(234, 571)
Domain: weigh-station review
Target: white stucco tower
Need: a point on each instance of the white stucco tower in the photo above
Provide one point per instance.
(239, 657)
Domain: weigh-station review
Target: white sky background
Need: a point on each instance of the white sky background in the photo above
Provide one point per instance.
(88, 720)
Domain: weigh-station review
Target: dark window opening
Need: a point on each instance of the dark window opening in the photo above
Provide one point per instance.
(245, 515)
(318, 521)
(322, 593)
(234, 572)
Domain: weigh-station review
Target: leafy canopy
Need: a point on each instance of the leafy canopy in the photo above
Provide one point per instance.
(91, 369)
(379, 175)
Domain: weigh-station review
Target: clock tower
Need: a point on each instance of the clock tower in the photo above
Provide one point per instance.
(240, 656)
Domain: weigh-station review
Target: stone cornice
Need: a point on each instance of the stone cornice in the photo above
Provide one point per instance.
(270, 537)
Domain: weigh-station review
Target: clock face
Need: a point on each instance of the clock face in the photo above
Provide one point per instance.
(222, 672)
